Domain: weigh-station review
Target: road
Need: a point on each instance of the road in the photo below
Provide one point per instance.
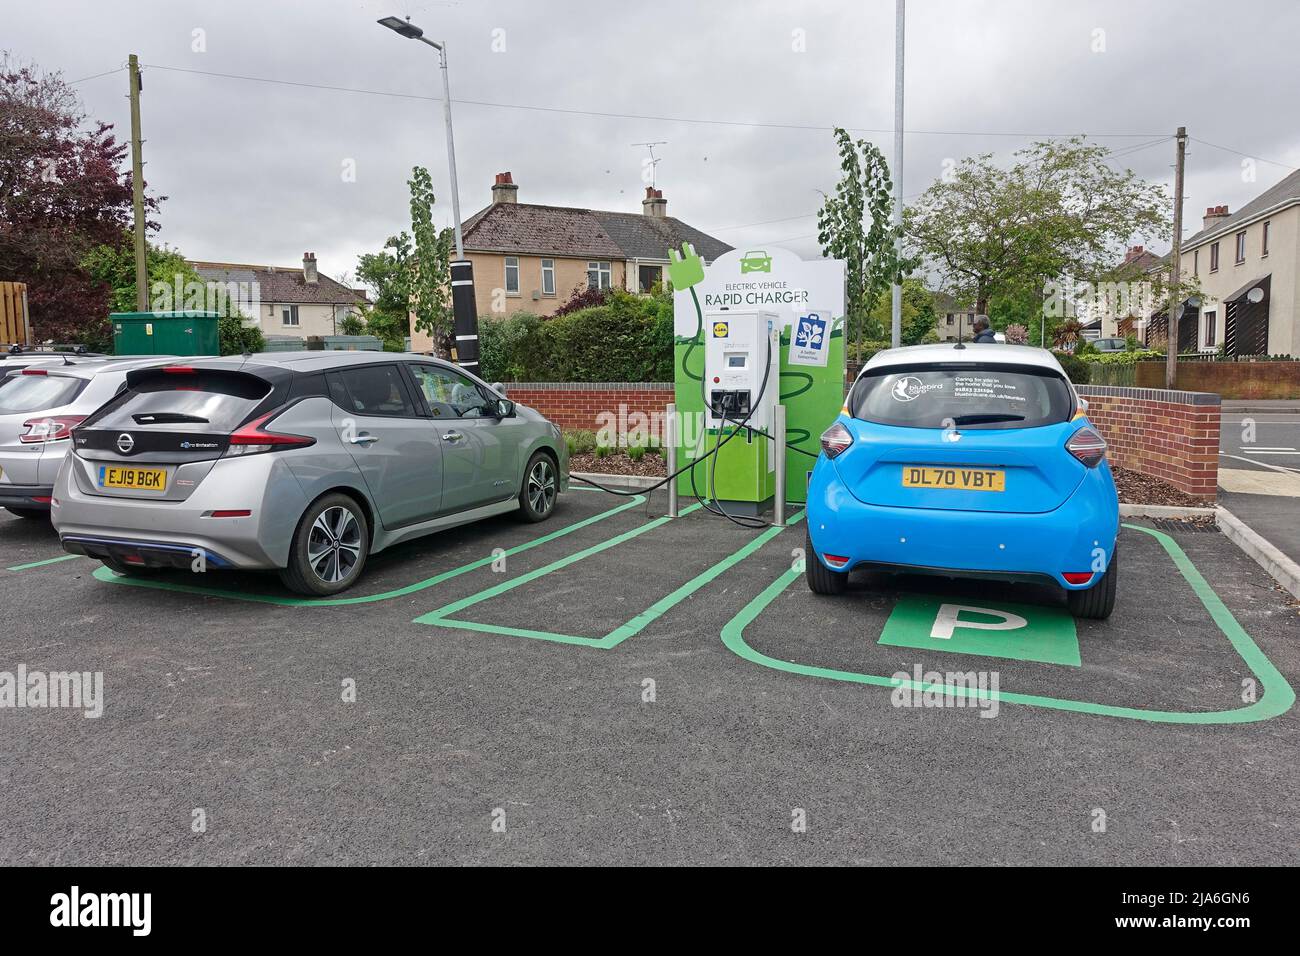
(1259, 474)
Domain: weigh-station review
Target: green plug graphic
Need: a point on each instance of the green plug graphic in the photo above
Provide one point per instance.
(686, 269)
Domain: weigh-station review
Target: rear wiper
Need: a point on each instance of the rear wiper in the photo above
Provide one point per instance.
(168, 418)
(979, 419)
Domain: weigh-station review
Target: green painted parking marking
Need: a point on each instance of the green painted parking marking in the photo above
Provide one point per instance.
(104, 574)
(1019, 632)
(439, 617)
(1277, 699)
(41, 564)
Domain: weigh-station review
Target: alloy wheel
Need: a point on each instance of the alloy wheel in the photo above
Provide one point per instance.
(334, 546)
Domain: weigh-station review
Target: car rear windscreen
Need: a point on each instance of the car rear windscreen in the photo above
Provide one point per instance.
(216, 402)
(37, 393)
(940, 396)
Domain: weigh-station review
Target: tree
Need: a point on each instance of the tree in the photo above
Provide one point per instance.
(1060, 210)
(919, 316)
(387, 275)
(873, 264)
(430, 270)
(61, 195)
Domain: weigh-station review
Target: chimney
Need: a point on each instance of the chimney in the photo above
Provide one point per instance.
(1213, 214)
(504, 189)
(309, 275)
(1133, 253)
(654, 204)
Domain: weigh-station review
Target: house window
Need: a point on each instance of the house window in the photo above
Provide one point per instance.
(600, 275)
(1241, 247)
(1196, 262)
(290, 314)
(1210, 333)
(649, 278)
(512, 275)
(1214, 257)
(548, 277)
(950, 318)
(1264, 250)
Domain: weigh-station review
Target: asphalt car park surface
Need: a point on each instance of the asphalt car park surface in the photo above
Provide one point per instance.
(502, 674)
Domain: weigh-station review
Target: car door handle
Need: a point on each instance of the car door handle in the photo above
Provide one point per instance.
(452, 436)
(364, 439)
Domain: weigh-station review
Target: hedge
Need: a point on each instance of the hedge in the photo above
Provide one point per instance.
(628, 339)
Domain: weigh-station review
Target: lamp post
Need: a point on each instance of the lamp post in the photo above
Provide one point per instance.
(464, 308)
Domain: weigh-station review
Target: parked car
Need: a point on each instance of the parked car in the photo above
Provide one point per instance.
(302, 462)
(1110, 345)
(966, 463)
(39, 405)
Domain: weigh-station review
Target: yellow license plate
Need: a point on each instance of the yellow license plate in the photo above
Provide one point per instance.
(955, 479)
(138, 479)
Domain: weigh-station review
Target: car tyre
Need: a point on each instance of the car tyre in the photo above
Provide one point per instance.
(1098, 601)
(31, 514)
(330, 547)
(821, 579)
(541, 487)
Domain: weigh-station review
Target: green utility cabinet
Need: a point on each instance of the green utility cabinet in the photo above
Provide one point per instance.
(165, 333)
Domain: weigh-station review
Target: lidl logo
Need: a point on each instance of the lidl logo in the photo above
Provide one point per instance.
(721, 329)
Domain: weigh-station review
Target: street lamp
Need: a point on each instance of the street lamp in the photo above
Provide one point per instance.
(409, 30)
(464, 307)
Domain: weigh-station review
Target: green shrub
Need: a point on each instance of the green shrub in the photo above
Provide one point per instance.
(1122, 358)
(580, 442)
(236, 338)
(603, 451)
(507, 346)
(1076, 369)
(636, 452)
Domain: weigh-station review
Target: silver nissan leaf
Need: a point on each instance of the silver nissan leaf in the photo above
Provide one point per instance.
(303, 462)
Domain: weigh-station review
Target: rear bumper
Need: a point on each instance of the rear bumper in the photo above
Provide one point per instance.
(1078, 536)
(146, 554)
(165, 532)
(31, 497)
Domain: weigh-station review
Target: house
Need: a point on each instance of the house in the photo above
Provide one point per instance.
(286, 301)
(1247, 265)
(532, 257)
(1114, 309)
(955, 321)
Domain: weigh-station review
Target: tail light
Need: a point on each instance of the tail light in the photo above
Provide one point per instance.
(1077, 577)
(253, 438)
(1087, 446)
(35, 371)
(835, 439)
(54, 428)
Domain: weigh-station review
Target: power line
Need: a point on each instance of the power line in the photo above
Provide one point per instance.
(765, 222)
(1228, 149)
(96, 76)
(634, 116)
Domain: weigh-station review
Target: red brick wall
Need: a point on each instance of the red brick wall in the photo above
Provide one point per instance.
(1227, 379)
(1166, 434)
(579, 405)
(1170, 435)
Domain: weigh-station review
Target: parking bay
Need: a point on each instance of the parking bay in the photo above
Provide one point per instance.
(755, 676)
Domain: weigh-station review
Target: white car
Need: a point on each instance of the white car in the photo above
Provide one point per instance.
(39, 405)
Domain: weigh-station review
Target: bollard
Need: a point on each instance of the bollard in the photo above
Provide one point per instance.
(670, 440)
(778, 451)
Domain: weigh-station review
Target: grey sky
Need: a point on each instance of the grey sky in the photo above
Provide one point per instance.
(253, 171)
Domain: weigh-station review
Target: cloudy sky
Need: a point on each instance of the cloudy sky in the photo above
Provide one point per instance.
(743, 91)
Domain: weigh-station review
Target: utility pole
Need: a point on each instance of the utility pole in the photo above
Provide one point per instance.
(1175, 312)
(137, 190)
(896, 309)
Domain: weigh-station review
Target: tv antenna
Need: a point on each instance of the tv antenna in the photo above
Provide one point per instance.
(654, 162)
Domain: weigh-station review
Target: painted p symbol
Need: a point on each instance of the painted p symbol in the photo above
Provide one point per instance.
(949, 618)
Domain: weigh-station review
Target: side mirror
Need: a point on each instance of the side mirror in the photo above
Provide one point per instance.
(505, 408)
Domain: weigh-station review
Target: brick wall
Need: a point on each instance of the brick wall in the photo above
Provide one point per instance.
(1166, 434)
(579, 405)
(1170, 435)
(1228, 379)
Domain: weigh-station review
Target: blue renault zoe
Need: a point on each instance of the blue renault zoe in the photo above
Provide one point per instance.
(966, 461)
